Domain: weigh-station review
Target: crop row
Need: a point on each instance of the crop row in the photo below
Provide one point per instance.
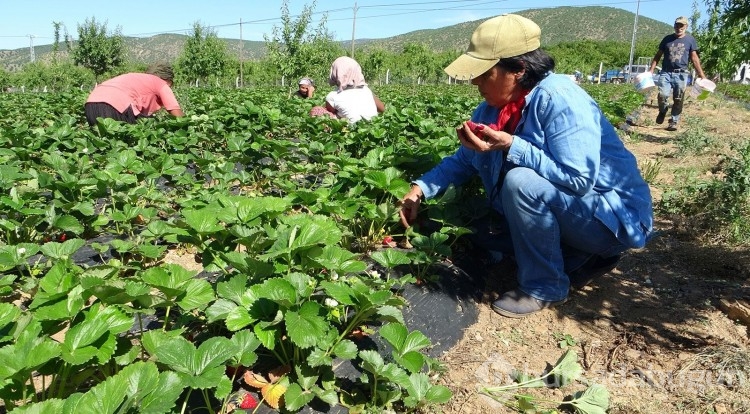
(287, 214)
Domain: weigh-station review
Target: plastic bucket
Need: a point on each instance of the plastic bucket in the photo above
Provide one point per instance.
(644, 82)
(701, 88)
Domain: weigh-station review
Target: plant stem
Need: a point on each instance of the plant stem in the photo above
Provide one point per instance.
(207, 400)
(140, 334)
(223, 409)
(503, 388)
(184, 402)
(166, 319)
(354, 322)
(62, 379)
(375, 389)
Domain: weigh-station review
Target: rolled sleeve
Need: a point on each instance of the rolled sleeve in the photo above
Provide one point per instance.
(168, 100)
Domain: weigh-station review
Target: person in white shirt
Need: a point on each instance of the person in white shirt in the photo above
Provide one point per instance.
(352, 99)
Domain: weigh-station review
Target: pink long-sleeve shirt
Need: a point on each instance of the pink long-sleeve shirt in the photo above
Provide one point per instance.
(146, 93)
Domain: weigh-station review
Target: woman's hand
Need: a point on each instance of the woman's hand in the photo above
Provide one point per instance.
(484, 139)
(410, 205)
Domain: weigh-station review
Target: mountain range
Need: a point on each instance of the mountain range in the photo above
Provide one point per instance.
(559, 24)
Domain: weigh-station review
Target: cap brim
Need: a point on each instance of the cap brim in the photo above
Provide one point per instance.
(468, 67)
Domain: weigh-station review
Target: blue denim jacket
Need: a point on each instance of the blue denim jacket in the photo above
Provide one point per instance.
(564, 137)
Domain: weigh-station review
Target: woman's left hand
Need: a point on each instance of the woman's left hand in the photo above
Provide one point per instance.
(486, 140)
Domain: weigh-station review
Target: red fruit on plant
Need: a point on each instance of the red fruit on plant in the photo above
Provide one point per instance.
(62, 237)
(248, 402)
(389, 242)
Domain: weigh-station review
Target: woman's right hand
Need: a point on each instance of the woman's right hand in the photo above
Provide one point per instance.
(410, 205)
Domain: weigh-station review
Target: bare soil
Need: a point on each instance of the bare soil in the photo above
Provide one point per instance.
(664, 332)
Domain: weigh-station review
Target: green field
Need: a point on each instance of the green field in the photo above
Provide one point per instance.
(288, 215)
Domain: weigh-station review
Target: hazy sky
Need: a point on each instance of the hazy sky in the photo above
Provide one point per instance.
(24, 22)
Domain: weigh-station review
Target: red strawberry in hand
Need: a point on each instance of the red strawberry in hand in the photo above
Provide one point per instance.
(478, 129)
(475, 128)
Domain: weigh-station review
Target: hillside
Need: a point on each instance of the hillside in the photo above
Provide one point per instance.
(560, 24)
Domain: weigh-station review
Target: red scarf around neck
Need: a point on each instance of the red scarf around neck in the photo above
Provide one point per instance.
(510, 114)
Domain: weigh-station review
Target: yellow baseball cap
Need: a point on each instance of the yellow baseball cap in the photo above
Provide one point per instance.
(503, 36)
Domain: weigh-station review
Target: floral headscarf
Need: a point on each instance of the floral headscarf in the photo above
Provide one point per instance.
(346, 73)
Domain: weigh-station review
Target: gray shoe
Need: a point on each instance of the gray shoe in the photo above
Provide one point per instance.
(517, 304)
(672, 126)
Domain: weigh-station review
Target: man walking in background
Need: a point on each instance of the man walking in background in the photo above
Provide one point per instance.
(678, 49)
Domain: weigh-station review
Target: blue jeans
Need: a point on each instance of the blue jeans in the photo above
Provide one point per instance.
(671, 84)
(551, 231)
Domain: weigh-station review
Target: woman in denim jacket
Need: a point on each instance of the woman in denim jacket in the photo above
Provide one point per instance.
(570, 193)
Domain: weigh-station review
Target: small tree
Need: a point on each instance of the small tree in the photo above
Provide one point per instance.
(419, 60)
(56, 42)
(298, 51)
(204, 56)
(373, 64)
(4, 80)
(96, 49)
(719, 37)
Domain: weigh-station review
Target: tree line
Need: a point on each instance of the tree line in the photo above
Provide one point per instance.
(297, 48)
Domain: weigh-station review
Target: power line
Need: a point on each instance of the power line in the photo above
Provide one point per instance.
(465, 5)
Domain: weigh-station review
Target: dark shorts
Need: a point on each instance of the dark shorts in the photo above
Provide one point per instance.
(104, 110)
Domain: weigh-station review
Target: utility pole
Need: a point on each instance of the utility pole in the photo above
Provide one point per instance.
(31, 48)
(241, 44)
(354, 23)
(632, 42)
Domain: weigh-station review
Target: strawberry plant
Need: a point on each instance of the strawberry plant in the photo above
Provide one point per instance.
(290, 218)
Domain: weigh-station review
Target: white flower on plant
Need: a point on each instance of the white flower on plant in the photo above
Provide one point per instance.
(85, 150)
(331, 303)
(21, 250)
(374, 273)
(334, 275)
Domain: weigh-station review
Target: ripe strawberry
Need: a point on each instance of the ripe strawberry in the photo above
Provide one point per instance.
(388, 241)
(248, 402)
(475, 128)
(62, 237)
